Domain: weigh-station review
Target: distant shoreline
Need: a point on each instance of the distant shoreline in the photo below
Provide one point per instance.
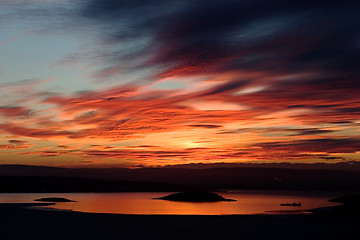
(16, 178)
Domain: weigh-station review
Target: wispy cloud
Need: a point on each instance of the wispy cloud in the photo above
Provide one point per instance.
(16, 144)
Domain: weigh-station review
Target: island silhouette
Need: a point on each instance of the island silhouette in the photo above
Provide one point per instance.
(195, 196)
(54, 199)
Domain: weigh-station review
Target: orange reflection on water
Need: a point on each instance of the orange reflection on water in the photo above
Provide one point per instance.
(250, 202)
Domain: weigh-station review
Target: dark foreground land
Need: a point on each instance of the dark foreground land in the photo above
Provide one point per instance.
(17, 222)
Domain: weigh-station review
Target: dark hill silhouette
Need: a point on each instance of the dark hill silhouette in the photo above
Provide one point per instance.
(12, 184)
(341, 166)
(151, 179)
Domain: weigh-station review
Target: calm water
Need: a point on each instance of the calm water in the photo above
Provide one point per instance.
(248, 202)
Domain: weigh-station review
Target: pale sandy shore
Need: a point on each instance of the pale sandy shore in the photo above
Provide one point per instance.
(17, 222)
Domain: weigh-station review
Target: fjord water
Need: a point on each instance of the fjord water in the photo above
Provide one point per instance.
(248, 202)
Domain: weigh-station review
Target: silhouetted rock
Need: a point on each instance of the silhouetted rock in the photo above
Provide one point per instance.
(54, 199)
(195, 196)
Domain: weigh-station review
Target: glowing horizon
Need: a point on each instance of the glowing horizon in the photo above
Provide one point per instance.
(119, 83)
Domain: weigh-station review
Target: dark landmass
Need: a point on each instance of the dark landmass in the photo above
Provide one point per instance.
(345, 210)
(342, 166)
(349, 208)
(23, 223)
(351, 199)
(5, 206)
(173, 179)
(13, 184)
(54, 199)
(195, 196)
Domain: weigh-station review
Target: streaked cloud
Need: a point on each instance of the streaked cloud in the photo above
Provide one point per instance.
(171, 82)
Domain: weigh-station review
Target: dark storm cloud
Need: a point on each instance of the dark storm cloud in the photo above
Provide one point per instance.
(277, 36)
(313, 44)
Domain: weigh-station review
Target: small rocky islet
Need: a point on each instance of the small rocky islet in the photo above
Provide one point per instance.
(54, 199)
(195, 196)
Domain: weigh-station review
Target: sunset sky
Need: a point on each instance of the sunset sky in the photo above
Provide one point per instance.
(97, 83)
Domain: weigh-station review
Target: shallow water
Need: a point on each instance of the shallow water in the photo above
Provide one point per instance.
(248, 202)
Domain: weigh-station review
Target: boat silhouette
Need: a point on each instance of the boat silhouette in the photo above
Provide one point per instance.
(294, 204)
